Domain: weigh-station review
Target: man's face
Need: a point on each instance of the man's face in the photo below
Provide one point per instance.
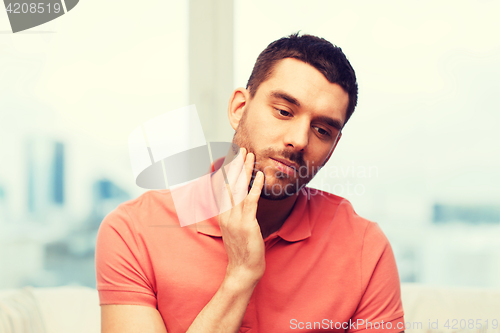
(295, 117)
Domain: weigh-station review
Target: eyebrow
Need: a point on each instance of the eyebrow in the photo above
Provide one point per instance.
(325, 119)
(330, 122)
(283, 95)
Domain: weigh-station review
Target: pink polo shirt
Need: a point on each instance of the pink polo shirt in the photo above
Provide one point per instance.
(327, 269)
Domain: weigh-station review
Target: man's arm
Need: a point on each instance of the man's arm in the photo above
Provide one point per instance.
(381, 298)
(225, 311)
(121, 318)
(246, 264)
(245, 250)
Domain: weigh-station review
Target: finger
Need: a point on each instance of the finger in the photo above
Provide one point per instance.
(240, 189)
(249, 167)
(252, 200)
(257, 186)
(228, 180)
(233, 168)
(231, 198)
(223, 196)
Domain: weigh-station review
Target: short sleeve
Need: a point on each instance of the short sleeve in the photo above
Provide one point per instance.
(123, 271)
(380, 308)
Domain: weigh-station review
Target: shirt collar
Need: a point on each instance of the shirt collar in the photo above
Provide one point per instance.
(297, 226)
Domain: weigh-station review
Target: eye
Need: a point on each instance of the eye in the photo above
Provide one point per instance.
(283, 113)
(322, 131)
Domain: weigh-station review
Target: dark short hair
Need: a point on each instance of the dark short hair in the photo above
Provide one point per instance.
(327, 58)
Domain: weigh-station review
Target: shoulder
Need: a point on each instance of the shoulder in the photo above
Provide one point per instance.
(124, 268)
(326, 207)
(152, 199)
(126, 231)
(150, 208)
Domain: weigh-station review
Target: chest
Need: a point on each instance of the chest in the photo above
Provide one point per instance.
(306, 290)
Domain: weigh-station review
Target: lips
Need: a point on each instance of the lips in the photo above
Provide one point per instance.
(287, 163)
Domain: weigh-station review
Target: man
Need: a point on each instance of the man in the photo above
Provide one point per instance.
(286, 258)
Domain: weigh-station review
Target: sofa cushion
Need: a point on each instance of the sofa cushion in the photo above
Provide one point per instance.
(72, 309)
(19, 312)
(450, 309)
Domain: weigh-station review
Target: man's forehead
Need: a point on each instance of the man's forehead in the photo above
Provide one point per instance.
(288, 67)
(300, 84)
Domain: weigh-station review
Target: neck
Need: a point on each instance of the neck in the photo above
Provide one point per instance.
(271, 214)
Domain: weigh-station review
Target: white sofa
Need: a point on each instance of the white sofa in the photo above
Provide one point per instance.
(465, 309)
(76, 309)
(69, 309)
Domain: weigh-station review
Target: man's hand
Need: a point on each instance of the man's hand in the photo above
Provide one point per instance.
(239, 227)
(244, 246)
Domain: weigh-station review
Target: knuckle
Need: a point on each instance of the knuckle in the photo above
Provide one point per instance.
(248, 201)
(249, 206)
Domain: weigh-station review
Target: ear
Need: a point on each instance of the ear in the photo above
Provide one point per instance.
(236, 106)
(335, 145)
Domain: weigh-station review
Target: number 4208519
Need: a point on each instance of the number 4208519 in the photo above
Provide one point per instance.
(471, 323)
(24, 8)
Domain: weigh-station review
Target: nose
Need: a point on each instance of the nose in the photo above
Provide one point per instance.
(297, 135)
